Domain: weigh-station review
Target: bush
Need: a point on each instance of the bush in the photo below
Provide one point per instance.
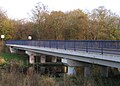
(2, 61)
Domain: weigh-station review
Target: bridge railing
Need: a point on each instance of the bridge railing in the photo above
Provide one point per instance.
(110, 47)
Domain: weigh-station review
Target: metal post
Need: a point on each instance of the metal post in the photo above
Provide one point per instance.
(74, 45)
(86, 46)
(102, 47)
(49, 43)
(65, 45)
(56, 44)
(44, 43)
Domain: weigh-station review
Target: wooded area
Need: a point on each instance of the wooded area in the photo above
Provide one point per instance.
(99, 24)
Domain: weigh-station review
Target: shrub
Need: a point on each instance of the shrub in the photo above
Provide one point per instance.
(2, 61)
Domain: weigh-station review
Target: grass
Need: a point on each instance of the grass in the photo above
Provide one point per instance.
(9, 56)
(19, 79)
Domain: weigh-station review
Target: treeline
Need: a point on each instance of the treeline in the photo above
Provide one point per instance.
(99, 24)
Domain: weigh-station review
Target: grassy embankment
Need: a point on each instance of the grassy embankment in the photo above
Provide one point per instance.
(8, 57)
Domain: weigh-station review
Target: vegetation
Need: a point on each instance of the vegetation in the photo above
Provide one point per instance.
(99, 24)
(19, 79)
(13, 74)
(8, 57)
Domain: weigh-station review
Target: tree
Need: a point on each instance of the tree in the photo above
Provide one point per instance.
(76, 25)
(39, 12)
(39, 15)
(8, 29)
(54, 25)
(99, 24)
(6, 25)
(102, 24)
(22, 29)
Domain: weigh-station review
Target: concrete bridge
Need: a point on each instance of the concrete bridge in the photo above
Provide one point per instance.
(73, 53)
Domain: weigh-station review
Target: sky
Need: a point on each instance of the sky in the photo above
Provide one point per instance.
(19, 9)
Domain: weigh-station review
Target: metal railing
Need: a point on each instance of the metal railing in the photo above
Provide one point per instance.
(110, 47)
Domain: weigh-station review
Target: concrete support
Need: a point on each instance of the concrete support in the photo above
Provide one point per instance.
(54, 59)
(43, 59)
(31, 59)
(72, 64)
(71, 70)
(31, 56)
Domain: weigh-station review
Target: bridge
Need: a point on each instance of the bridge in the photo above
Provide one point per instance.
(72, 52)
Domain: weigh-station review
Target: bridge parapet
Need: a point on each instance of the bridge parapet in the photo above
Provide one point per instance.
(109, 47)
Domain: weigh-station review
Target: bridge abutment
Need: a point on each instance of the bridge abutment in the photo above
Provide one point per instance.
(12, 50)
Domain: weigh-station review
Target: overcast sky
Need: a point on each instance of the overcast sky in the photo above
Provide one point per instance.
(20, 8)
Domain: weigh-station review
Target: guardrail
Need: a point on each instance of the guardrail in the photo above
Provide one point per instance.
(110, 47)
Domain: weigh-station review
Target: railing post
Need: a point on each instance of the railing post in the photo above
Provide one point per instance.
(35, 43)
(65, 45)
(44, 43)
(49, 43)
(117, 44)
(39, 43)
(74, 44)
(57, 42)
(102, 47)
(86, 46)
